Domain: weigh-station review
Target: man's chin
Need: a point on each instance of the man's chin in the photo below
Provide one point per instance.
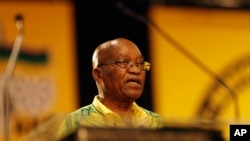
(135, 95)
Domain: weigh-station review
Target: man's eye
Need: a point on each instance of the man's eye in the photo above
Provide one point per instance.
(141, 63)
(123, 62)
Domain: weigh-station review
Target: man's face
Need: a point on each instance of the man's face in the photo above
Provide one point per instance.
(123, 83)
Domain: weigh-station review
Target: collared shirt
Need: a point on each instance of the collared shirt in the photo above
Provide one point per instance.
(98, 115)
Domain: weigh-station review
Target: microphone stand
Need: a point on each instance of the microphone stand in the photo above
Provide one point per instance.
(8, 75)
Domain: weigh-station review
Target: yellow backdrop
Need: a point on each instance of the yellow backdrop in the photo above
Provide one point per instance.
(219, 38)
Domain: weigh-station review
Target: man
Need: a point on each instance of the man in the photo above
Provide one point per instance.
(119, 71)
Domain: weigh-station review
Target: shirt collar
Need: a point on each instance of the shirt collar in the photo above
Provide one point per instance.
(100, 107)
(104, 110)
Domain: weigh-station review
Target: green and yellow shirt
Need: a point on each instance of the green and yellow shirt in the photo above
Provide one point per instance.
(97, 115)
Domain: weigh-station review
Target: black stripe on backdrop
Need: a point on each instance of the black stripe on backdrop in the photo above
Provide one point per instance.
(98, 21)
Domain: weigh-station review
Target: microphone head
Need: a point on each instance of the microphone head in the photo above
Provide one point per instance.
(19, 22)
(19, 17)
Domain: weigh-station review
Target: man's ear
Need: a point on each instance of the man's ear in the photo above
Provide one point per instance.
(97, 74)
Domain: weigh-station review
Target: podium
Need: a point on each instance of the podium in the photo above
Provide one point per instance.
(127, 134)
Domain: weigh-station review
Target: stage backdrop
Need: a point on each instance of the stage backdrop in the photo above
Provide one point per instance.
(219, 39)
(44, 84)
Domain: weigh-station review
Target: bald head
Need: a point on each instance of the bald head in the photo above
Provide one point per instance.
(105, 50)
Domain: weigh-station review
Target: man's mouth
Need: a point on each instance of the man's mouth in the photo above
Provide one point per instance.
(134, 81)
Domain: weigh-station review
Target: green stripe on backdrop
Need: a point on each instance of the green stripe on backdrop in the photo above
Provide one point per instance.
(24, 56)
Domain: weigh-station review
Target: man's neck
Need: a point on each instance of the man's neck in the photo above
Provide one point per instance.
(124, 108)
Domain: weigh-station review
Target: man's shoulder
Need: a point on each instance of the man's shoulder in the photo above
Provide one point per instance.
(150, 113)
(84, 111)
(73, 119)
(154, 119)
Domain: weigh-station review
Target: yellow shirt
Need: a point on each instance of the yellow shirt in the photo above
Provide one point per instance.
(98, 115)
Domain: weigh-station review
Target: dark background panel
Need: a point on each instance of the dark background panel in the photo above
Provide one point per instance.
(99, 21)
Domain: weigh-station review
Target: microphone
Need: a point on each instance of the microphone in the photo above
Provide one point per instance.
(8, 76)
(182, 50)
